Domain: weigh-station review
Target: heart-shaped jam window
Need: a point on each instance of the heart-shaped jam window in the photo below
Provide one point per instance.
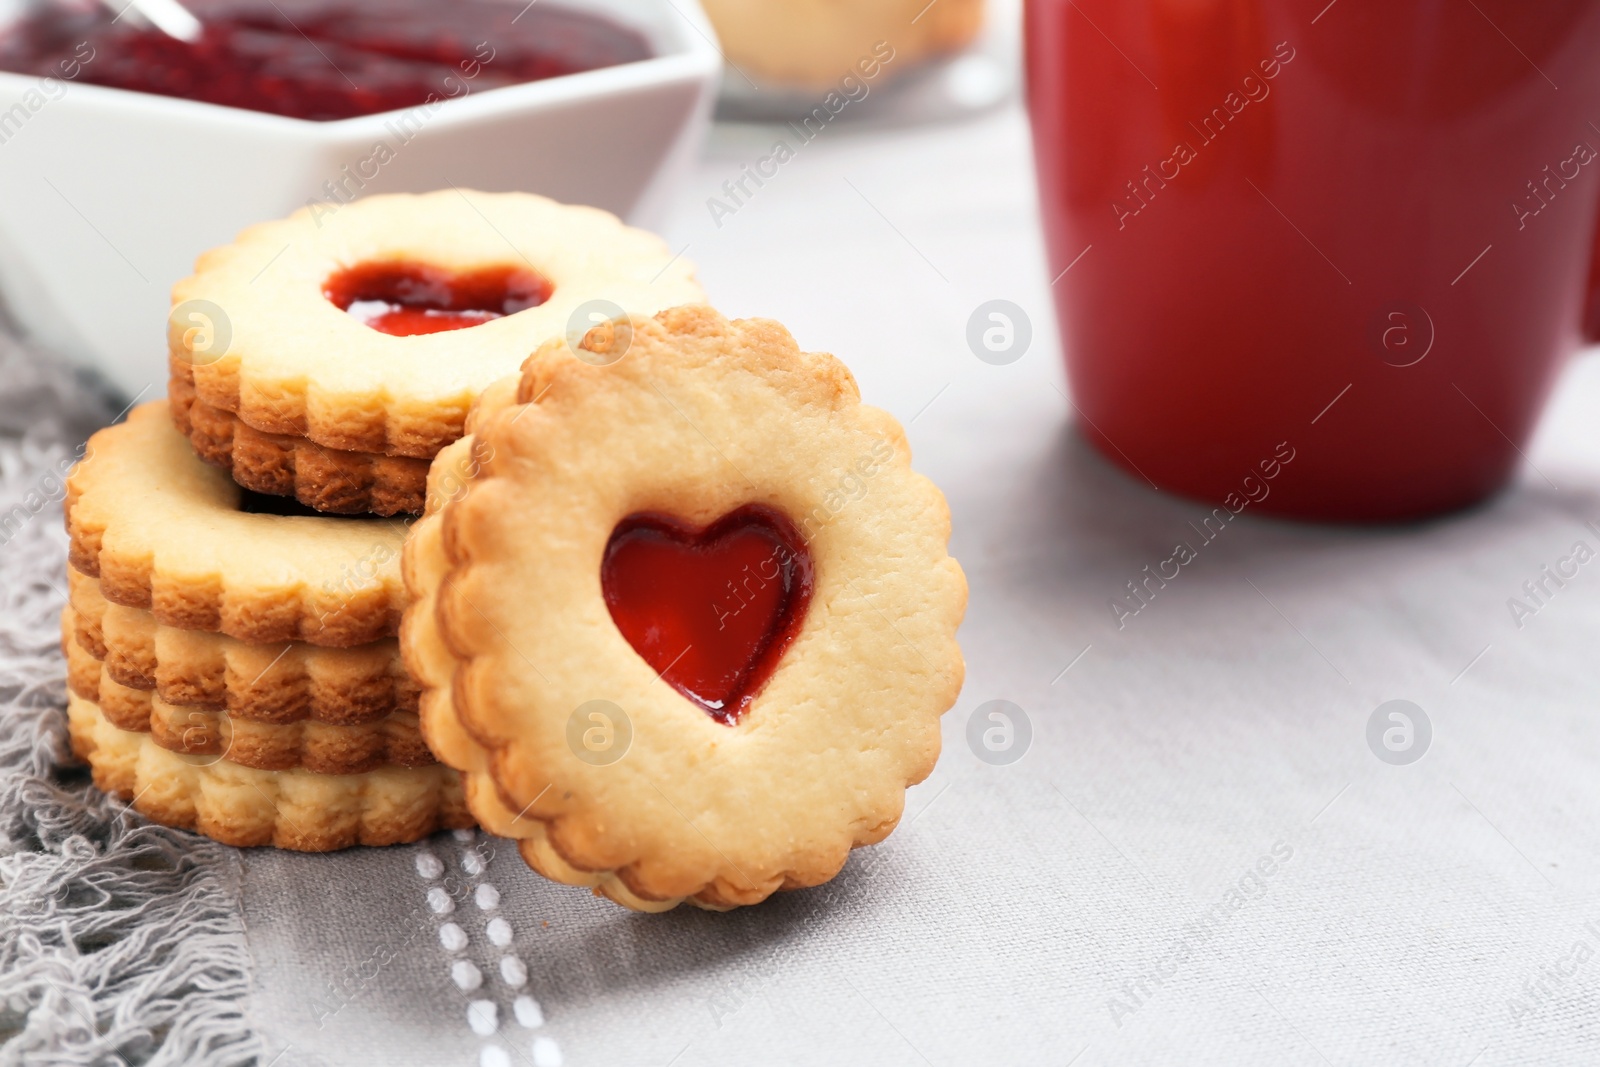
(406, 299)
(711, 610)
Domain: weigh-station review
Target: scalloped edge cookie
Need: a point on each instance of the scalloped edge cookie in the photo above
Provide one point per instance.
(327, 479)
(162, 530)
(599, 443)
(293, 363)
(427, 568)
(261, 683)
(296, 810)
(394, 740)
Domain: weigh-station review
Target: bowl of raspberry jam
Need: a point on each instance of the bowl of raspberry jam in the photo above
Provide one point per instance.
(309, 59)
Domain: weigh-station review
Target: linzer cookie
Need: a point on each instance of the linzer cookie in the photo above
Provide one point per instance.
(368, 333)
(393, 740)
(291, 809)
(165, 532)
(325, 479)
(683, 614)
(324, 747)
(269, 683)
(429, 663)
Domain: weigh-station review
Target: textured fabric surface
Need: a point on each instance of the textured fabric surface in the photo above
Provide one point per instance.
(119, 941)
(1197, 860)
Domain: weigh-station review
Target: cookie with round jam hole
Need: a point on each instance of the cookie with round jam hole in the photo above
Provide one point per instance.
(330, 355)
(683, 616)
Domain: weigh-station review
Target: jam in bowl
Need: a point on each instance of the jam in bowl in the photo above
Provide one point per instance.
(313, 60)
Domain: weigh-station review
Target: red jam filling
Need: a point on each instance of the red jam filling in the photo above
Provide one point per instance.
(711, 610)
(313, 59)
(406, 299)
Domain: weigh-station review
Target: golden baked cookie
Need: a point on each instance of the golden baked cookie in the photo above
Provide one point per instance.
(815, 44)
(688, 626)
(326, 748)
(277, 683)
(261, 328)
(427, 661)
(426, 568)
(432, 663)
(295, 809)
(164, 531)
(326, 479)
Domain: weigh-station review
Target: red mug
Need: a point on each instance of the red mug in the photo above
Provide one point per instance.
(1319, 259)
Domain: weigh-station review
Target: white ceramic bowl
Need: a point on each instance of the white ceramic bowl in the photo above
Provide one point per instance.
(107, 196)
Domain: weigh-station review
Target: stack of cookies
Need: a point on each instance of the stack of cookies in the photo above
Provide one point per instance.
(678, 616)
(235, 560)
